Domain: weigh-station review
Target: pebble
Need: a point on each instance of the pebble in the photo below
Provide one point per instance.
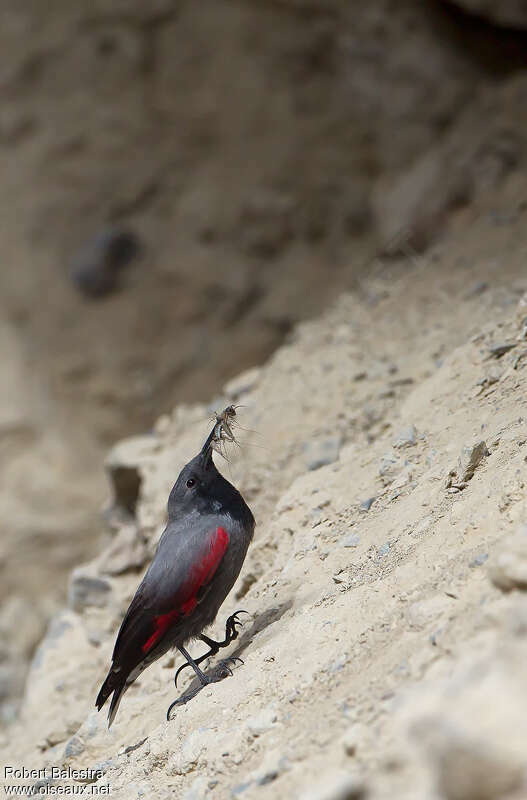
(86, 589)
(521, 309)
(469, 459)
(422, 613)
(367, 504)
(127, 552)
(353, 737)
(240, 788)
(479, 560)
(319, 452)
(508, 568)
(383, 550)
(74, 747)
(262, 722)
(351, 540)
(198, 789)
(339, 664)
(337, 786)
(406, 438)
(476, 290)
(273, 765)
(499, 350)
(243, 383)
(95, 270)
(389, 467)
(466, 771)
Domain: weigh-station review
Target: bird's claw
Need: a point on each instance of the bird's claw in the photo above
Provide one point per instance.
(220, 671)
(177, 673)
(224, 664)
(232, 621)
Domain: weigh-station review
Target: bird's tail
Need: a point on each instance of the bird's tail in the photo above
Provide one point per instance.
(115, 682)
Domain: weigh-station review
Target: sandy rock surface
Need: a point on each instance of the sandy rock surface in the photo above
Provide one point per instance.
(235, 166)
(386, 644)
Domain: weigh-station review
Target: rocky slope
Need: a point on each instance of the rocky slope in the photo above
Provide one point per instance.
(385, 649)
(259, 152)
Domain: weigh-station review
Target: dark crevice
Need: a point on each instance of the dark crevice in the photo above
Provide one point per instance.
(497, 49)
(126, 484)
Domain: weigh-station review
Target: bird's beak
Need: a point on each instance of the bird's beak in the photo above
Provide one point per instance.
(206, 450)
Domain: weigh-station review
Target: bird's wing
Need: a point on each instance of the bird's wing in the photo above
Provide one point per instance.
(176, 581)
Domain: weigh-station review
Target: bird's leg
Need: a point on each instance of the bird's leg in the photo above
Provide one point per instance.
(231, 633)
(191, 663)
(219, 673)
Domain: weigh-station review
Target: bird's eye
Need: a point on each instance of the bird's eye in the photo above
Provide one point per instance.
(191, 482)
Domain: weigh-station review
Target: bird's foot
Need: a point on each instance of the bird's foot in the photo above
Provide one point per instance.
(231, 633)
(230, 626)
(222, 670)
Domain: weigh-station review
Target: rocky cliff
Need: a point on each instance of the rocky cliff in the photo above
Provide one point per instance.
(385, 648)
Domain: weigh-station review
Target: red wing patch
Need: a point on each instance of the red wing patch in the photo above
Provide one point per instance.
(200, 575)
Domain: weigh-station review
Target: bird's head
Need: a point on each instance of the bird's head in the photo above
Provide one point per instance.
(199, 487)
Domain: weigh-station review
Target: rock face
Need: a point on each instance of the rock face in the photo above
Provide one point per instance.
(383, 654)
(474, 158)
(238, 145)
(186, 181)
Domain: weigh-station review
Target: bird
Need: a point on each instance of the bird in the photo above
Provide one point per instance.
(197, 561)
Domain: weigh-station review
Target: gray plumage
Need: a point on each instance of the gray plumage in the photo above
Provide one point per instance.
(196, 564)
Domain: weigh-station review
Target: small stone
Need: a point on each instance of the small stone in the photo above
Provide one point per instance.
(476, 290)
(383, 550)
(402, 382)
(406, 438)
(127, 552)
(351, 540)
(86, 589)
(74, 747)
(342, 579)
(353, 738)
(262, 722)
(96, 269)
(521, 309)
(240, 788)
(467, 771)
(508, 568)
(56, 736)
(389, 467)
(499, 350)
(404, 478)
(198, 789)
(423, 613)
(337, 786)
(479, 560)
(319, 452)
(367, 504)
(243, 383)
(272, 766)
(339, 664)
(470, 458)
(316, 516)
